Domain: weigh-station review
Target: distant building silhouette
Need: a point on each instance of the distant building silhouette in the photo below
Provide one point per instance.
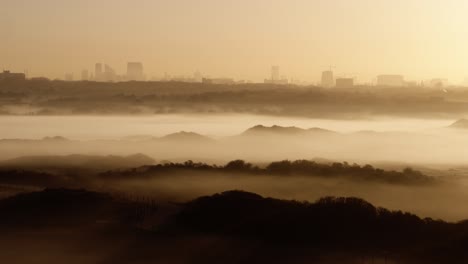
(275, 77)
(135, 71)
(9, 76)
(40, 79)
(327, 79)
(109, 74)
(275, 73)
(98, 74)
(218, 81)
(344, 82)
(84, 75)
(198, 76)
(390, 80)
(69, 77)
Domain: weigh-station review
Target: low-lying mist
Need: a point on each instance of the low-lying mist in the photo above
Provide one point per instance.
(92, 127)
(118, 144)
(445, 201)
(410, 190)
(436, 146)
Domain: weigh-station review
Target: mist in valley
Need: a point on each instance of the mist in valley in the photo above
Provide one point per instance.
(207, 137)
(90, 145)
(232, 178)
(218, 131)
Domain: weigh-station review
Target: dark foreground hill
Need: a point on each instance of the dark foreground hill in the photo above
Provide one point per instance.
(229, 227)
(69, 207)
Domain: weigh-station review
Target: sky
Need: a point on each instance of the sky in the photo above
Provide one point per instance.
(421, 39)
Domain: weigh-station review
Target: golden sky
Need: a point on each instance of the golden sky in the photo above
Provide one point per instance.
(361, 38)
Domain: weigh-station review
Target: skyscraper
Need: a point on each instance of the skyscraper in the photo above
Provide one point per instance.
(275, 73)
(98, 72)
(135, 71)
(69, 77)
(84, 75)
(197, 76)
(109, 74)
(327, 79)
(275, 77)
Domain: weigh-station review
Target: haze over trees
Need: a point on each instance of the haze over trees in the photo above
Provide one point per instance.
(59, 98)
(285, 168)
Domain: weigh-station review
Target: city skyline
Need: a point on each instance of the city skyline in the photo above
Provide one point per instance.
(316, 79)
(273, 76)
(105, 73)
(416, 38)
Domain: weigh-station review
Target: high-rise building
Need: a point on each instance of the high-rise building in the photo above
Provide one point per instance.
(84, 75)
(135, 71)
(69, 77)
(344, 82)
(327, 79)
(390, 80)
(109, 74)
(275, 77)
(197, 76)
(98, 72)
(275, 73)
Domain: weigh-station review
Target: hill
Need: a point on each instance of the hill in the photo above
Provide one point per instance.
(184, 136)
(284, 131)
(460, 124)
(236, 227)
(331, 224)
(66, 207)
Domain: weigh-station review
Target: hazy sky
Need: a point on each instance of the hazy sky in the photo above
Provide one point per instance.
(241, 39)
